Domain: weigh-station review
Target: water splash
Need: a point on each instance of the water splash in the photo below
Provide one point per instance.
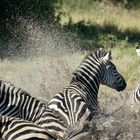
(44, 68)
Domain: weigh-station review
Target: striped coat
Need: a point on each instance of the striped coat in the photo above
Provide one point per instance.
(79, 102)
(16, 129)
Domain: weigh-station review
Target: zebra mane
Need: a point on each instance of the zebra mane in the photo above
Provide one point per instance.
(100, 53)
(96, 54)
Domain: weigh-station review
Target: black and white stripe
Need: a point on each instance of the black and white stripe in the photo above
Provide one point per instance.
(15, 102)
(137, 94)
(79, 102)
(52, 122)
(16, 129)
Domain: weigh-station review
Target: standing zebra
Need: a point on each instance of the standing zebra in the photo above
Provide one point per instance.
(15, 102)
(79, 102)
(137, 94)
(16, 129)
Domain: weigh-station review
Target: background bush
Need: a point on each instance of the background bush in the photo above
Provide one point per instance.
(92, 21)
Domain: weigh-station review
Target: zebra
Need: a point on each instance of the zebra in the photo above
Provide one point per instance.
(137, 94)
(76, 103)
(17, 129)
(15, 102)
(79, 101)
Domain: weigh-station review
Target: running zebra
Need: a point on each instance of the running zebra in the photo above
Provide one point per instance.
(137, 94)
(15, 102)
(16, 129)
(79, 102)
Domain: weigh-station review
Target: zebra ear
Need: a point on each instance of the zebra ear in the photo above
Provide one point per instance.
(107, 57)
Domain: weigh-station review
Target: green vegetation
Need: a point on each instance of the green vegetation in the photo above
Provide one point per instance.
(100, 12)
(102, 22)
(25, 27)
(39, 75)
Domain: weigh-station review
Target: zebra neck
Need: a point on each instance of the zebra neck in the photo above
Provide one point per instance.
(89, 96)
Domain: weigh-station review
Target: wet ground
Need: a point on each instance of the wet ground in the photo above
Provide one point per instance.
(121, 116)
(120, 119)
(46, 75)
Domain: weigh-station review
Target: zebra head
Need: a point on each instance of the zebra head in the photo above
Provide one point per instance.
(97, 68)
(109, 74)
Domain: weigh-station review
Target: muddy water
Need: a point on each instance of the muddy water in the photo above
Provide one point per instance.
(120, 119)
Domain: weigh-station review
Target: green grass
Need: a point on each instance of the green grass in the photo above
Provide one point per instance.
(100, 13)
(103, 17)
(128, 64)
(44, 76)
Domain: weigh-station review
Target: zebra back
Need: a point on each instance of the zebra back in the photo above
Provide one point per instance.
(16, 129)
(16, 102)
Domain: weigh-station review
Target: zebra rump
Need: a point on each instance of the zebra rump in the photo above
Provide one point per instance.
(15, 102)
(16, 129)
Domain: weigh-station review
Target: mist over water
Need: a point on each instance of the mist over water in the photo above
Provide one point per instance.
(44, 68)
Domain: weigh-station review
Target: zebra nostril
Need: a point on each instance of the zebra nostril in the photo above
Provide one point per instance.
(120, 86)
(123, 83)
